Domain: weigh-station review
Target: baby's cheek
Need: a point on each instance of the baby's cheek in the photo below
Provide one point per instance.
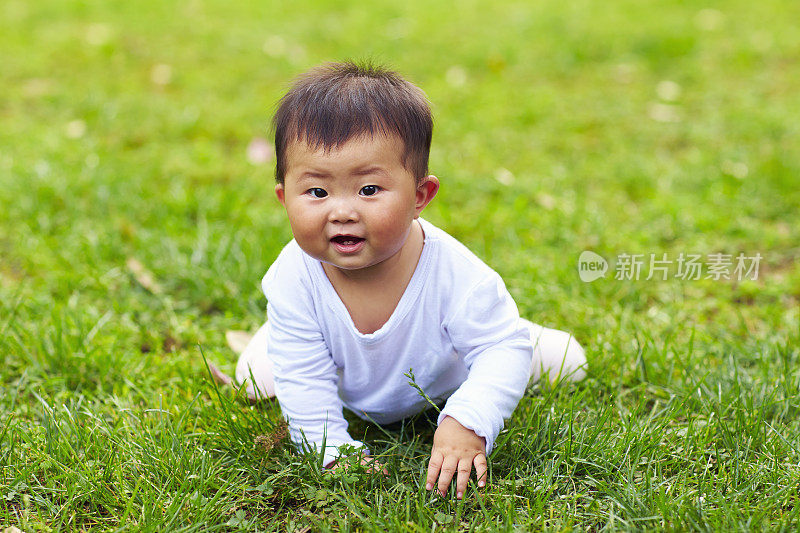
(391, 229)
(308, 238)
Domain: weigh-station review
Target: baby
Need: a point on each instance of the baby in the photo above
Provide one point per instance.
(367, 290)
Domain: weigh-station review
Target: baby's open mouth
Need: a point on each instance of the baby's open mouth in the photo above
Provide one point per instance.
(347, 240)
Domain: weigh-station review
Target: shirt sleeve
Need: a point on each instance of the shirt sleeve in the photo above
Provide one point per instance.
(486, 330)
(304, 372)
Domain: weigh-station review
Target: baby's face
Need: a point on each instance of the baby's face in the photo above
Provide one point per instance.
(353, 206)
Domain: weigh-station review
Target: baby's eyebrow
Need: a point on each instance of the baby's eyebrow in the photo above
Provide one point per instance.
(358, 171)
(363, 171)
(311, 174)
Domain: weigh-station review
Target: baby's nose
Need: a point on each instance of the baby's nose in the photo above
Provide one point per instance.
(343, 211)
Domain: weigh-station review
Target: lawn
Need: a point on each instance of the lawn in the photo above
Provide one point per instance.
(135, 226)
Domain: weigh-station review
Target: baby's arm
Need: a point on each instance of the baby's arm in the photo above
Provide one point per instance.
(485, 328)
(304, 371)
(305, 385)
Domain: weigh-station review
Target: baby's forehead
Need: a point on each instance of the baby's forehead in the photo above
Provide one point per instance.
(379, 148)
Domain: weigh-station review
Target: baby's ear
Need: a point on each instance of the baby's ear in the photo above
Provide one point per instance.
(279, 192)
(426, 190)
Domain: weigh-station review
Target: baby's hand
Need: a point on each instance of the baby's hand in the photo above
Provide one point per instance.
(456, 449)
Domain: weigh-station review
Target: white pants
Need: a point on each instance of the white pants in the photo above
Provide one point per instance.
(555, 353)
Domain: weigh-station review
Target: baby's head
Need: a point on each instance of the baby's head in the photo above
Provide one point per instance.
(352, 145)
(334, 103)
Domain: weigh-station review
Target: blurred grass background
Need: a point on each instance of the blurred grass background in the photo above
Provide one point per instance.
(619, 127)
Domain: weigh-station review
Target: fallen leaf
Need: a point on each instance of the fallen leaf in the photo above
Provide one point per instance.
(456, 76)
(545, 200)
(259, 151)
(99, 34)
(737, 169)
(709, 19)
(664, 113)
(238, 340)
(75, 129)
(624, 72)
(161, 74)
(143, 276)
(265, 443)
(504, 176)
(170, 343)
(36, 87)
(668, 90)
(274, 46)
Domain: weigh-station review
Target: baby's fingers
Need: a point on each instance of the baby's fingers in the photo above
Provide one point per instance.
(434, 465)
(464, 470)
(449, 466)
(480, 469)
(374, 466)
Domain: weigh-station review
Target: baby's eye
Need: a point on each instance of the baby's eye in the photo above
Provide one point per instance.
(317, 192)
(369, 190)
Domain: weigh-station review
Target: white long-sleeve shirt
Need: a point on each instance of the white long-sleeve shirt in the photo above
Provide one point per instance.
(456, 326)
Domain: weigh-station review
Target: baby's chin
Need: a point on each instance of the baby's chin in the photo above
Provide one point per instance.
(354, 265)
(350, 269)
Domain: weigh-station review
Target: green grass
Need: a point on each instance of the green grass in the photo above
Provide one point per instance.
(689, 419)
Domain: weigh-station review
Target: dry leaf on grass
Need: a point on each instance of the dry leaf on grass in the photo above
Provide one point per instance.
(265, 443)
(237, 339)
(143, 276)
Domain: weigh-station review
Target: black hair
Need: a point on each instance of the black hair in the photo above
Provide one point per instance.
(333, 103)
